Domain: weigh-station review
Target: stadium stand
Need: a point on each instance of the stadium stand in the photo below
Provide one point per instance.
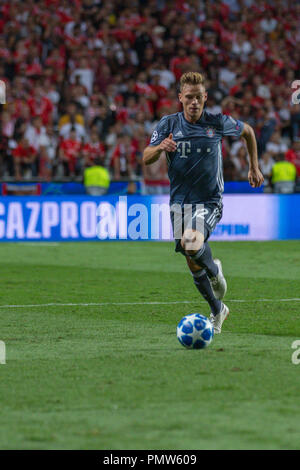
(89, 80)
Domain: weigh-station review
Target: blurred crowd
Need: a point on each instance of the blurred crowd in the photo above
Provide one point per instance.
(88, 80)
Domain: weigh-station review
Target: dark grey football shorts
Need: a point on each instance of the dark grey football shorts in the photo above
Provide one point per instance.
(202, 217)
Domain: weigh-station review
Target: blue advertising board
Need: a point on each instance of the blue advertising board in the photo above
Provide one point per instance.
(87, 218)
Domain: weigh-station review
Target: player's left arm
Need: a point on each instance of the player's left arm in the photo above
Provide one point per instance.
(255, 176)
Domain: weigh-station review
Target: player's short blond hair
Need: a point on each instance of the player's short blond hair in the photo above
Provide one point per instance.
(191, 78)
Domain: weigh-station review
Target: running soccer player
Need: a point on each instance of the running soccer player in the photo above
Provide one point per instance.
(192, 142)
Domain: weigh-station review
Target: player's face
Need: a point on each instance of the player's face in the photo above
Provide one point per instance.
(193, 98)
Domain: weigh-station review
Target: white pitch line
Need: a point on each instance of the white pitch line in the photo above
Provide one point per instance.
(102, 304)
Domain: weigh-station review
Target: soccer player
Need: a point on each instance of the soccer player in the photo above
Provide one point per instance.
(192, 142)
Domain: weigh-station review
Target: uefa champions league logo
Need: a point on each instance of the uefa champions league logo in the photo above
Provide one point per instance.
(2, 353)
(2, 92)
(154, 137)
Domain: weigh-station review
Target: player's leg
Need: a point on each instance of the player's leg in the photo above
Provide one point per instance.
(203, 285)
(194, 243)
(218, 310)
(203, 258)
(209, 281)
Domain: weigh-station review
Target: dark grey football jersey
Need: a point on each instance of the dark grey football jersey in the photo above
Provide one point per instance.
(195, 169)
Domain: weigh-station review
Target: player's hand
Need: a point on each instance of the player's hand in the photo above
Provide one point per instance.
(255, 177)
(168, 144)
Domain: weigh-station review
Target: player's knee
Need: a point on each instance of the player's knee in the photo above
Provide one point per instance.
(194, 267)
(192, 241)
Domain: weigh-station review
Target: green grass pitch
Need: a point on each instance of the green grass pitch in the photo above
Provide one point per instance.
(113, 375)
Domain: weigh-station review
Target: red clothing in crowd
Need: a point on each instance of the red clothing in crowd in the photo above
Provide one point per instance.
(58, 63)
(143, 89)
(125, 155)
(177, 64)
(71, 150)
(293, 156)
(43, 108)
(23, 152)
(93, 150)
(160, 91)
(33, 69)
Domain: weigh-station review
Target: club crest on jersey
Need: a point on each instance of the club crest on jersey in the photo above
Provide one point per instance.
(210, 132)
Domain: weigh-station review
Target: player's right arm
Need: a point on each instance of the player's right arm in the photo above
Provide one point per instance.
(153, 152)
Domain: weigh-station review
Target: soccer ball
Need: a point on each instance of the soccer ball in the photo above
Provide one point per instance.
(195, 331)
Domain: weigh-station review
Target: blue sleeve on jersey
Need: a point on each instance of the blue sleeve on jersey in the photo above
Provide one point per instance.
(232, 126)
(161, 132)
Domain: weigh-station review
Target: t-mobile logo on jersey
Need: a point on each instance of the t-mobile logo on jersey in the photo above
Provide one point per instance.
(2, 92)
(184, 146)
(2, 353)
